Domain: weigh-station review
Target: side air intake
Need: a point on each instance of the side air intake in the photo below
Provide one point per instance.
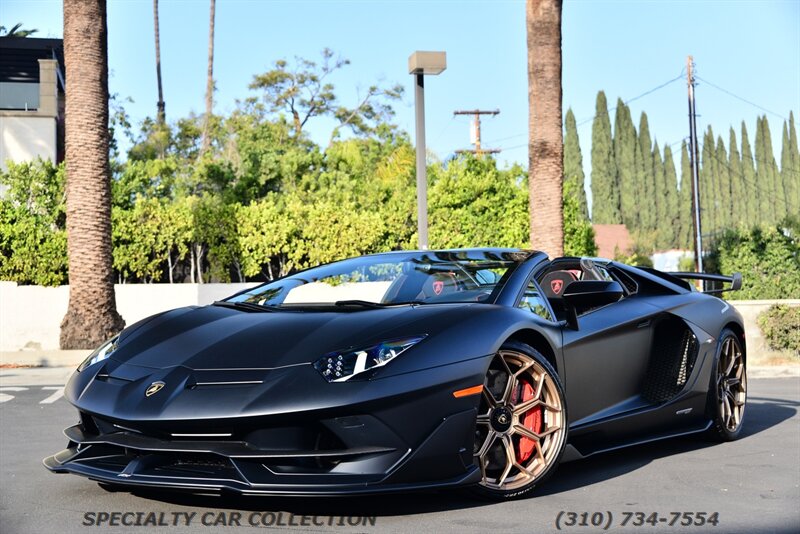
(672, 359)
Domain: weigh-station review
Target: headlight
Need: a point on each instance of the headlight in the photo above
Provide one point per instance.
(100, 353)
(344, 365)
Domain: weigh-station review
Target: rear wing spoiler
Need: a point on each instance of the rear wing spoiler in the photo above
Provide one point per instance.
(735, 280)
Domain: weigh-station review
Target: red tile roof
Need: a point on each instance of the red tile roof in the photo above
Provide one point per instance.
(610, 237)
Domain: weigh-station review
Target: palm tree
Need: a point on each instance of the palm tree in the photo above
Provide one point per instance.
(161, 115)
(545, 144)
(16, 31)
(209, 81)
(91, 315)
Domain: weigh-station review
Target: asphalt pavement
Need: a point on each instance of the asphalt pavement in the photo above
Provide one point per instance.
(752, 485)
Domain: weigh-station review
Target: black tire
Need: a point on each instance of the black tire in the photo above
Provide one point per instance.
(727, 391)
(551, 425)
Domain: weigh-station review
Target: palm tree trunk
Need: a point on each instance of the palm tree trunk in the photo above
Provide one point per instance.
(209, 81)
(545, 145)
(91, 315)
(161, 114)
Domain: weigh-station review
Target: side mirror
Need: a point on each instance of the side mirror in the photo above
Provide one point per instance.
(736, 282)
(586, 294)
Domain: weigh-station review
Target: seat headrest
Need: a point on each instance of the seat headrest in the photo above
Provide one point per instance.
(553, 283)
(439, 284)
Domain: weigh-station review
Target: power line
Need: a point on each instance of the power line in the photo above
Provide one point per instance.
(762, 108)
(626, 102)
(443, 130)
(608, 110)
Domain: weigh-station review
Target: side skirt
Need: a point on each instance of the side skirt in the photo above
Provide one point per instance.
(571, 453)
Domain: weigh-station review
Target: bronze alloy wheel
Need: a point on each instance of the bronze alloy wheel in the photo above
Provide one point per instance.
(521, 423)
(731, 384)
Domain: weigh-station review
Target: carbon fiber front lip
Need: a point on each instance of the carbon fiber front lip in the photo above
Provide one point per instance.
(200, 485)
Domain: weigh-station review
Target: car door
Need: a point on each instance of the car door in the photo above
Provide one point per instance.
(605, 359)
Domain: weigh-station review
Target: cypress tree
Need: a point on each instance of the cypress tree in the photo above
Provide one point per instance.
(686, 215)
(788, 174)
(772, 201)
(645, 176)
(723, 201)
(708, 172)
(749, 179)
(605, 191)
(661, 227)
(777, 185)
(738, 200)
(794, 172)
(762, 175)
(672, 222)
(624, 150)
(573, 163)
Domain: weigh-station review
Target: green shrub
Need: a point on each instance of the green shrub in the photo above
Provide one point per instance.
(33, 238)
(780, 325)
(768, 258)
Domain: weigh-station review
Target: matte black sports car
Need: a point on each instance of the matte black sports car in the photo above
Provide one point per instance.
(406, 370)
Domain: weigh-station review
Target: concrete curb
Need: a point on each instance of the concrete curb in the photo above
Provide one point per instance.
(43, 358)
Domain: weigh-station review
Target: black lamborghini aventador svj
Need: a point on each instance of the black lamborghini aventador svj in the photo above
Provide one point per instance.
(405, 370)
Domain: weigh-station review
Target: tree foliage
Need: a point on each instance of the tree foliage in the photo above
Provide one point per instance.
(33, 239)
(265, 200)
(740, 184)
(578, 231)
(605, 186)
(768, 257)
(472, 203)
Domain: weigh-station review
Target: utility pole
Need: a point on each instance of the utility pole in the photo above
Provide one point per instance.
(694, 157)
(475, 131)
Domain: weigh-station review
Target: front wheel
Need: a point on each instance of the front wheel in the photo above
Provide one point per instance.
(521, 427)
(727, 396)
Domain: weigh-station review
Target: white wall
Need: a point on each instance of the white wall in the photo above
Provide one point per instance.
(26, 138)
(30, 316)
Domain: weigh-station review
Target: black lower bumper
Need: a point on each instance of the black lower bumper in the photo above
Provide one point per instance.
(218, 486)
(127, 458)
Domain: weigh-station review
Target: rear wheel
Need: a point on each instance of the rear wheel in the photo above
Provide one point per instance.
(522, 423)
(728, 390)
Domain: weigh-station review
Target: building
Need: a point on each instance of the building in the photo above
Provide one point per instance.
(612, 239)
(31, 99)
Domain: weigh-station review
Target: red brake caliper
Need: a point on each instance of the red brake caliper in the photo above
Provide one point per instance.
(532, 420)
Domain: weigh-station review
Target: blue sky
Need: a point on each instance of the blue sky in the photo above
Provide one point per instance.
(751, 48)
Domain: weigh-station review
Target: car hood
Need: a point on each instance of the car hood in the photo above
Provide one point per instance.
(215, 337)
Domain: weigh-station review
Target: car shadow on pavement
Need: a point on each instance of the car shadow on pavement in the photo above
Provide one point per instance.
(761, 415)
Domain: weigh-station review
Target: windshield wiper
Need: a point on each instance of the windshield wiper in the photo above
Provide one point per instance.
(375, 305)
(357, 302)
(244, 306)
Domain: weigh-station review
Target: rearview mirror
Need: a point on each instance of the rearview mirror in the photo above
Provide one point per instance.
(582, 295)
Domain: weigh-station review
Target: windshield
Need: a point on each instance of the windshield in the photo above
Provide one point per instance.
(391, 279)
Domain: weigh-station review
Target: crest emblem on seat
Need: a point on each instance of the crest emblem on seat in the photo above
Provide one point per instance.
(438, 286)
(556, 286)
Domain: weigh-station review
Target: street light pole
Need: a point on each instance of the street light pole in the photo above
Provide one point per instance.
(422, 167)
(420, 64)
